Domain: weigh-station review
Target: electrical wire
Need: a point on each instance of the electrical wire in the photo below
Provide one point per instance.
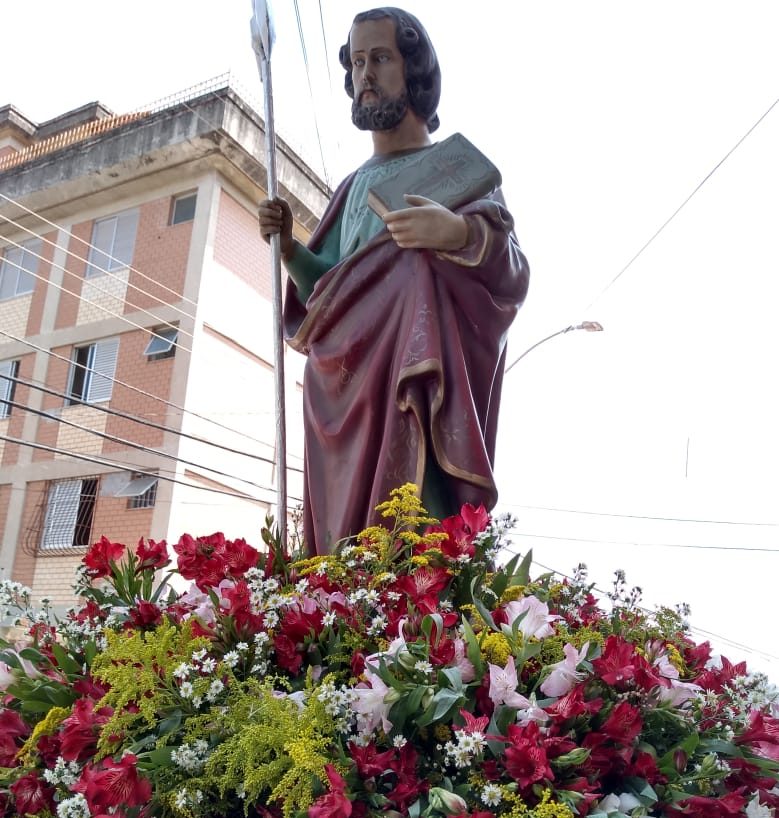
(131, 444)
(132, 269)
(136, 389)
(649, 544)
(151, 424)
(681, 206)
(724, 639)
(311, 92)
(84, 300)
(638, 516)
(126, 467)
(103, 270)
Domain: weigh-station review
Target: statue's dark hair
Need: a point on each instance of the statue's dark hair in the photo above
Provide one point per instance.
(423, 74)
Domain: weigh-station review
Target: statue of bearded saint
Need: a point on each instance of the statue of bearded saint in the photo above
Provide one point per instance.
(404, 317)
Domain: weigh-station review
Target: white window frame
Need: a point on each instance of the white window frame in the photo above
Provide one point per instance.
(113, 243)
(9, 371)
(20, 265)
(99, 370)
(162, 344)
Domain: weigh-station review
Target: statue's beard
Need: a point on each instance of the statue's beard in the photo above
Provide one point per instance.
(388, 113)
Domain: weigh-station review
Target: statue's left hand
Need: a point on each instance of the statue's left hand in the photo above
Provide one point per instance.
(427, 225)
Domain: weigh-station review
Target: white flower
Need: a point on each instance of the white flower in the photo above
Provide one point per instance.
(491, 795)
(231, 658)
(533, 616)
(757, 810)
(214, 690)
(186, 689)
(399, 741)
(329, 619)
(423, 667)
(75, 807)
(241, 647)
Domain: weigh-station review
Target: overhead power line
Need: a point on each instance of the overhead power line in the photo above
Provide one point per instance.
(681, 206)
(721, 638)
(136, 389)
(121, 466)
(151, 424)
(648, 544)
(179, 296)
(639, 516)
(131, 444)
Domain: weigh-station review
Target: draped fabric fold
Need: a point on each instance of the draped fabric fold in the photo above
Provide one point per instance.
(405, 353)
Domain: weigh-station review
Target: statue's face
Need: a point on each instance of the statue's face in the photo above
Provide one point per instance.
(380, 101)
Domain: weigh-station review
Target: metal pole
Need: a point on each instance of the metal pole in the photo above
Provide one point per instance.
(262, 37)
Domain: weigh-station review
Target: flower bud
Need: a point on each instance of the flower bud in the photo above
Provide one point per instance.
(577, 756)
(405, 659)
(427, 697)
(392, 695)
(446, 802)
(680, 760)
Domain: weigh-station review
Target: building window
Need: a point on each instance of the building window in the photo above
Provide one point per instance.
(8, 372)
(92, 372)
(113, 242)
(141, 491)
(69, 513)
(183, 208)
(18, 268)
(162, 344)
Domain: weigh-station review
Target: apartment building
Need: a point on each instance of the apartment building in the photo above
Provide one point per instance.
(136, 333)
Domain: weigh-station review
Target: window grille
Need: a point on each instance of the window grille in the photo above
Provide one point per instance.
(70, 510)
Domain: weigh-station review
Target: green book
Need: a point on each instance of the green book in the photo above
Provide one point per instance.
(452, 172)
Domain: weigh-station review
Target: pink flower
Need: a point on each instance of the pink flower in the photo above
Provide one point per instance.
(370, 705)
(503, 686)
(678, 693)
(564, 674)
(462, 663)
(535, 617)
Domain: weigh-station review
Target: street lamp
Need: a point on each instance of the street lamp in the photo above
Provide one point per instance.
(587, 326)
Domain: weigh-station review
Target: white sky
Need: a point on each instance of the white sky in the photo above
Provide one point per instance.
(603, 117)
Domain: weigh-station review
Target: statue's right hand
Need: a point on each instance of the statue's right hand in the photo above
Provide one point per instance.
(276, 217)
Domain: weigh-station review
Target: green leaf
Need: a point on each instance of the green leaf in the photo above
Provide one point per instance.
(427, 627)
(472, 647)
(522, 574)
(480, 607)
(455, 679)
(65, 661)
(715, 745)
(170, 724)
(32, 655)
(35, 706)
(10, 658)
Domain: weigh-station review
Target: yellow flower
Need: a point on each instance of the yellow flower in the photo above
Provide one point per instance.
(496, 649)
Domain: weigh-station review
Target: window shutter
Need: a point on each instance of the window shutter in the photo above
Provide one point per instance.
(102, 368)
(61, 513)
(124, 241)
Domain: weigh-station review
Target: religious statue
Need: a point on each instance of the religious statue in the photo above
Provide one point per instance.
(403, 318)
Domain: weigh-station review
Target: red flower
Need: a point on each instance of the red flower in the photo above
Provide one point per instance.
(472, 724)
(287, 654)
(80, 728)
(573, 704)
(409, 786)
(209, 560)
(12, 730)
(700, 806)
(623, 724)
(100, 556)
(423, 587)
(617, 664)
(32, 795)
(333, 804)
(115, 783)
(302, 620)
(369, 762)
(716, 679)
(144, 615)
(151, 555)
(525, 758)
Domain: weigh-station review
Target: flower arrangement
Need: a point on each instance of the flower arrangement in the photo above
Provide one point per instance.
(403, 675)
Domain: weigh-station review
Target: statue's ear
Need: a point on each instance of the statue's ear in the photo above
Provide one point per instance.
(343, 57)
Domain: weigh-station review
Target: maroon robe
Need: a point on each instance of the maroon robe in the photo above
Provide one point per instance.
(406, 351)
